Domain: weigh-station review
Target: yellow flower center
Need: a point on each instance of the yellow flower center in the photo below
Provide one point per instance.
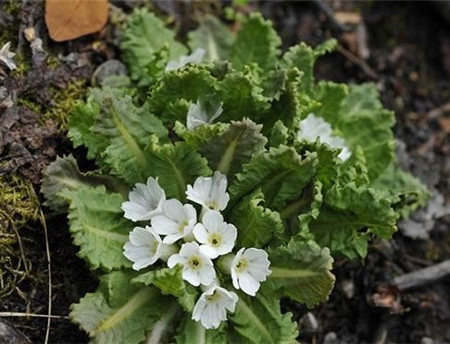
(242, 265)
(212, 205)
(215, 239)
(195, 263)
(214, 297)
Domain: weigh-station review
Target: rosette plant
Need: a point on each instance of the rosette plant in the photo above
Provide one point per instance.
(227, 178)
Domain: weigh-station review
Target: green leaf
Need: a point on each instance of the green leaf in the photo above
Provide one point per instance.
(176, 166)
(279, 134)
(212, 36)
(170, 282)
(302, 272)
(189, 84)
(192, 332)
(259, 320)
(303, 57)
(349, 212)
(118, 312)
(234, 147)
(98, 226)
(257, 42)
(360, 118)
(63, 173)
(256, 224)
(291, 106)
(200, 136)
(408, 193)
(80, 122)
(241, 96)
(281, 174)
(127, 128)
(145, 35)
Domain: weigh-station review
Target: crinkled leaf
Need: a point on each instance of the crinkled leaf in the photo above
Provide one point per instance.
(281, 174)
(257, 224)
(189, 84)
(346, 216)
(290, 107)
(200, 136)
(170, 282)
(80, 122)
(303, 57)
(192, 332)
(63, 173)
(257, 42)
(278, 135)
(176, 166)
(259, 320)
(302, 272)
(234, 147)
(118, 312)
(127, 128)
(212, 36)
(361, 120)
(145, 35)
(241, 96)
(408, 192)
(98, 226)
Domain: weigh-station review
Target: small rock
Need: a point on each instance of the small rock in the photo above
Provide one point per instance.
(309, 322)
(108, 69)
(348, 287)
(330, 338)
(426, 340)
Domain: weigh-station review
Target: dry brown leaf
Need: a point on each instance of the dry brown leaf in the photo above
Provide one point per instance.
(69, 19)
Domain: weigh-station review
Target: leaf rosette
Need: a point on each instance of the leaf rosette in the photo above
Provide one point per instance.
(227, 179)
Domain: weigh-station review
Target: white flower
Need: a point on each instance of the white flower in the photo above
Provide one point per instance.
(249, 268)
(211, 308)
(177, 221)
(202, 113)
(313, 127)
(145, 247)
(145, 201)
(210, 192)
(217, 236)
(195, 57)
(7, 56)
(197, 268)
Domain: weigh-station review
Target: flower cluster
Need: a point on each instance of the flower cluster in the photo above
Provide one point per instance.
(176, 235)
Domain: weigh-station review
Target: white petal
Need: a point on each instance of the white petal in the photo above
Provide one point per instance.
(212, 220)
(164, 225)
(172, 238)
(175, 259)
(140, 237)
(173, 209)
(200, 192)
(248, 284)
(142, 263)
(191, 276)
(200, 233)
(189, 249)
(209, 251)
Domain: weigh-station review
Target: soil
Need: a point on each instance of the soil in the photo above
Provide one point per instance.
(404, 47)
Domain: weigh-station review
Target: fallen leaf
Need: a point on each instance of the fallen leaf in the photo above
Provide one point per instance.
(70, 19)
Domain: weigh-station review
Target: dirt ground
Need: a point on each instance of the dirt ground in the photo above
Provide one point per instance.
(403, 47)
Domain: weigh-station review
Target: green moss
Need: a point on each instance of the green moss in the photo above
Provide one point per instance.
(20, 205)
(65, 100)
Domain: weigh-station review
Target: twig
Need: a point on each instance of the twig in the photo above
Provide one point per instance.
(322, 6)
(47, 249)
(356, 60)
(422, 276)
(31, 315)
